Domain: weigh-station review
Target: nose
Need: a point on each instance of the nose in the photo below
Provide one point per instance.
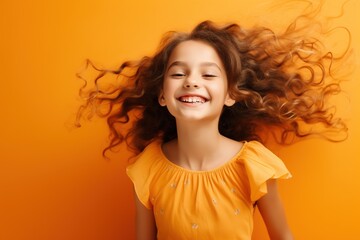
(188, 85)
(191, 83)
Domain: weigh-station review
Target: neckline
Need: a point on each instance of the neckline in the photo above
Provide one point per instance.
(234, 158)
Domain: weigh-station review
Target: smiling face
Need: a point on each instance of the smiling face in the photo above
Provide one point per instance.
(195, 85)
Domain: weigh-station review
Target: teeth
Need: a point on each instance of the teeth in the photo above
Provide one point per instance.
(192, 99)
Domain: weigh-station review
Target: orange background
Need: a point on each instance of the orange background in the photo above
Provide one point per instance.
(54, 183)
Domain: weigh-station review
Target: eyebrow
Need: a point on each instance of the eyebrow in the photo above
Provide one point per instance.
(180, 63)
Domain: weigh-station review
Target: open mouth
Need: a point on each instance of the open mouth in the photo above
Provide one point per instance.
(192, 99)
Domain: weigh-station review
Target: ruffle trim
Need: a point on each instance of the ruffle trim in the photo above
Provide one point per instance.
(259, 162)
(261, 165)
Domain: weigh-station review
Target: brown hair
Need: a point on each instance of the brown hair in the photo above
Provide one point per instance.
(280, 80)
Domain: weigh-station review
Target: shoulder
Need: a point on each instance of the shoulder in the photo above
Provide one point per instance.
(146, 160)
(255, 154)
(256, 150)
(261, 165)
(151, 152)
(142, 171)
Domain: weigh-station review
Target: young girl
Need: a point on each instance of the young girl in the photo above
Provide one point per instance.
(200, 107)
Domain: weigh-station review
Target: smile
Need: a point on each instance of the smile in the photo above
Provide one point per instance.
(192, 99)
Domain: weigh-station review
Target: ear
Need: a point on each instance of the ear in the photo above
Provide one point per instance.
(229, 101)
(161, 99)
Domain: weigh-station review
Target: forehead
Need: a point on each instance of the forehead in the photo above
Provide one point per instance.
(194, 52)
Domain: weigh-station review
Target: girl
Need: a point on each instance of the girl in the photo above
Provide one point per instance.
(199, 108)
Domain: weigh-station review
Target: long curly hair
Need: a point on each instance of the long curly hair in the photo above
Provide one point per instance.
(279, 80)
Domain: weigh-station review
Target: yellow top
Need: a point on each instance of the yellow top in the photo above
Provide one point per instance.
(214, 204)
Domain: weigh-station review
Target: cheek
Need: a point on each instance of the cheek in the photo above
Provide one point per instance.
(169, 88)
(219, 88)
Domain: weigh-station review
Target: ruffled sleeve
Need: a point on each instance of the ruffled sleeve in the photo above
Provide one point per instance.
(141, 173)
(261, 165)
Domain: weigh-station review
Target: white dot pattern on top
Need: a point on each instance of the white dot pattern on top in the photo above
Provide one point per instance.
(215, 204)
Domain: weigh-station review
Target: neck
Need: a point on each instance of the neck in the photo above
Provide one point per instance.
(198, 144)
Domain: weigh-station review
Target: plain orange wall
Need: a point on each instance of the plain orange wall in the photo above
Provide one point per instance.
(54, 183)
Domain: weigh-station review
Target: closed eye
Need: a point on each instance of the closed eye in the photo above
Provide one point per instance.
(178, 75)
(209, 75)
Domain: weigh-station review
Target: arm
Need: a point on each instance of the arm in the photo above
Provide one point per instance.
(273, 213)
(145, 222)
